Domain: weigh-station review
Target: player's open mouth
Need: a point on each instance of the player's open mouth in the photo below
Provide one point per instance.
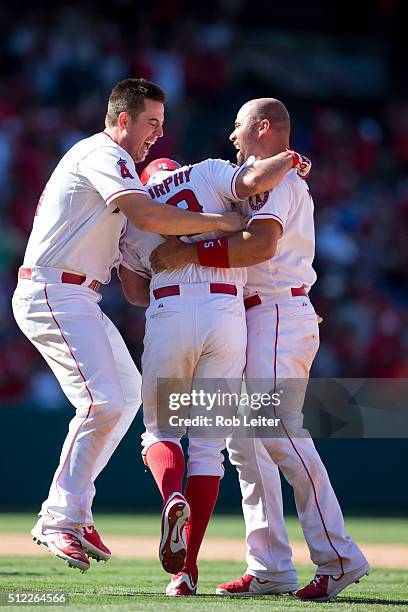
(146, 146)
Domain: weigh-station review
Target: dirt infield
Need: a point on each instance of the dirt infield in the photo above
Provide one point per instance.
(138, 547)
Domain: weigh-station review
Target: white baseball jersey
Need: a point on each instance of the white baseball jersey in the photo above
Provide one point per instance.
(291, 204)
(77, 225)
(208, 186)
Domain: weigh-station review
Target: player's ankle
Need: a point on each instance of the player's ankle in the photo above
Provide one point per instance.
(192, 569)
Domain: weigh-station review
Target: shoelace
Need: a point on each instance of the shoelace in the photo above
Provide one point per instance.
(241, 581)
(70, 539)
(316, 580)
(89, 528)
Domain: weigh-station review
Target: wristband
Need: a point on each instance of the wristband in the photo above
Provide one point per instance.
(295, 157)
(213, 253)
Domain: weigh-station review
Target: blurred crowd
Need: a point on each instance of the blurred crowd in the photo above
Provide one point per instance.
(57, 73)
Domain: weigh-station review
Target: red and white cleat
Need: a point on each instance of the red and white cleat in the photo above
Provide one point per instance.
(93, 545)
(324, 587)
(182, 584)
(172, 549)
(250, 585)
(65, 546)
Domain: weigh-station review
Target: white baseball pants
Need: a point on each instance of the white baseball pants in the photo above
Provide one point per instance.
(283, 338)
(191, 336)
(97, 374)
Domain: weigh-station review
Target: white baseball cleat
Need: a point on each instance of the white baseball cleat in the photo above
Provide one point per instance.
(324, 587)
(173, 549)
(250, 585)
(92, 544)
(182, 585)
(65, 546)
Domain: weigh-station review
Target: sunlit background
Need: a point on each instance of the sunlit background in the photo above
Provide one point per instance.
(342, 76)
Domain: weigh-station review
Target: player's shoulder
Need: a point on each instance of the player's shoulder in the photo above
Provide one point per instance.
(292, 183)
(214, 168)
(293, 179)
(100, 142)
(214, 163)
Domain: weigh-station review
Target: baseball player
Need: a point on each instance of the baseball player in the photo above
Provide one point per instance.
(283, 337)
(73, 245)
(195, 329)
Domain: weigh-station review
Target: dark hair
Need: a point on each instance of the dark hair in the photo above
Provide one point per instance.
(129, 95)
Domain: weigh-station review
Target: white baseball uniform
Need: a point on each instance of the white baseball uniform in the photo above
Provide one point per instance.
(195, 324)
(72, 248)
(283, 338)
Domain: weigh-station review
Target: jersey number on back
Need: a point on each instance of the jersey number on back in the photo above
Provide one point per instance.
(187, 196)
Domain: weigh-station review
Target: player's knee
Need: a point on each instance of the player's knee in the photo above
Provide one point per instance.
(109, 409)
(277, 449)
(240, 450)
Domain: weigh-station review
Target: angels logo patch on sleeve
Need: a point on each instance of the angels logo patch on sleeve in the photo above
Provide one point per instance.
(256, 202)
(124, 170)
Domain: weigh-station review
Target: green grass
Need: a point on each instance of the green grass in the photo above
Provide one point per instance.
(138, 585)
(376, 530)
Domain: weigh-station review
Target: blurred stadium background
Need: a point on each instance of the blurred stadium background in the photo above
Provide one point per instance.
(342, 75)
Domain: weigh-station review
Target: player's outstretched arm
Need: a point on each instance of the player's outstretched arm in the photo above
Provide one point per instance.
(165, 219)
(252, 246)
(135, 287)
(264, 174)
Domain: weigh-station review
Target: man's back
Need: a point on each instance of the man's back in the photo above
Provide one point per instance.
(208, 186)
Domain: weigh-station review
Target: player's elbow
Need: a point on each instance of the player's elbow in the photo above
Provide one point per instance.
(145, 217)
(136, 288)
(271, 250)
(142, 302)
(246, 186)
(136, 298)
(146, 222)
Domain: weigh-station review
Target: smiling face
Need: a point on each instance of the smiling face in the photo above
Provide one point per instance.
(139, 133)
(262, 129)
(245, 135)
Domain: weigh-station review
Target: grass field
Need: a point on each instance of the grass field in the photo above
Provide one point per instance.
(378, 530)
(138, 584)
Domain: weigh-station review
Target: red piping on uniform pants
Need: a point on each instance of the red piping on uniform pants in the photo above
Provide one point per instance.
(82, 376)
(298, 453)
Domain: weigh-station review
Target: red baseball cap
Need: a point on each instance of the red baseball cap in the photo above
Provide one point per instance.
(158, 165)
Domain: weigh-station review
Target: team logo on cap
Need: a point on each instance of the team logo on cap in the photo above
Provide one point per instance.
(256, 202)
(124, 170)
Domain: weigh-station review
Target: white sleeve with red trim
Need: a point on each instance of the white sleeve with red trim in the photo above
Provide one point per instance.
(222, 175)
(112, 172)
(128, 246)
(274, 204)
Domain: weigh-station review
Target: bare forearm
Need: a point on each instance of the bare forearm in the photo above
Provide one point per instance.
(136, 288)
(263, 174)
(174, 222)
(170, 220)
(244, 249)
